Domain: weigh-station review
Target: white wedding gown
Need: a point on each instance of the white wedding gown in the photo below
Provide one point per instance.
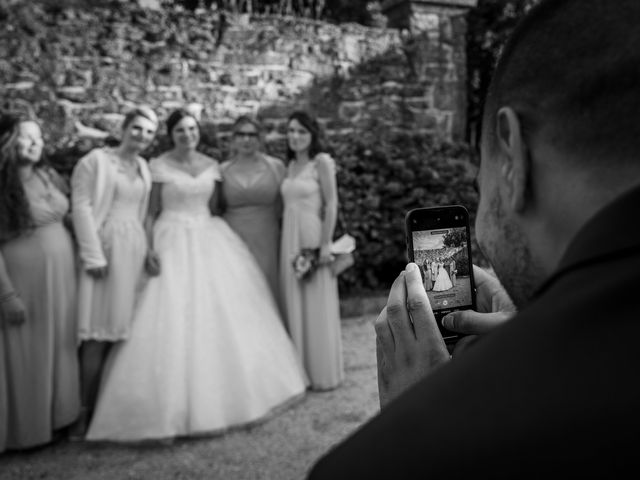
(208, 349)
(443, 282)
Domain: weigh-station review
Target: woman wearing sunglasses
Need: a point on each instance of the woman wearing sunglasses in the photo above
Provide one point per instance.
(252, 201)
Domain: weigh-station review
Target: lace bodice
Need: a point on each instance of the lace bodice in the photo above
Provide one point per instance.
(183, 194)
(128, 196)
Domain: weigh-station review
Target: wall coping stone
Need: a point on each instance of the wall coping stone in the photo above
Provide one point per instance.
(389, 4)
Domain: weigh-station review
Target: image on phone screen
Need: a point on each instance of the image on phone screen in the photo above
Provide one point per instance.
(442, 255)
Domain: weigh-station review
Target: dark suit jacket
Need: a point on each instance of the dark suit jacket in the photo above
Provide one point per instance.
(554, 391)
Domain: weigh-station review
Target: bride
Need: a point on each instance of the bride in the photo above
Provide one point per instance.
(207, 349)
(443, 282)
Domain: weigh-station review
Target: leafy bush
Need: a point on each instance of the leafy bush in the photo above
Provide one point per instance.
(488, 27)
(462, 263)
(382, 174)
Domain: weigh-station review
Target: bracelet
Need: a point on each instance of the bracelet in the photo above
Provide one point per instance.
(6, 296)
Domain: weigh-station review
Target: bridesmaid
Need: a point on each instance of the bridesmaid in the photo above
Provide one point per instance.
(110, 195)
(310, 205)
(251, 192)
(39, 387)
(428, 281)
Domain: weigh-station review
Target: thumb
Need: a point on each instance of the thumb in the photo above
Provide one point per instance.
(474, 323)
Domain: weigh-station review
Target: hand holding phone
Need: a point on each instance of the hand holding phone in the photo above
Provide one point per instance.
(439, 242)
(494, 307)
(408, 345)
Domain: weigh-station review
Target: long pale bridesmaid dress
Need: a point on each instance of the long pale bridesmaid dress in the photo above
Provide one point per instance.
(39, 364)
(312, 304)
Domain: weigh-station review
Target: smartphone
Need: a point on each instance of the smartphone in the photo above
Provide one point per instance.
(439, 242)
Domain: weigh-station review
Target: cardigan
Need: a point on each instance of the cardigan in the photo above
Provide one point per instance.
(92, 192)
(93, 186)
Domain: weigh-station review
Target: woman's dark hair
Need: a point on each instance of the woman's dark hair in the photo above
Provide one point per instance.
(310, 124)
(239, 123)
(15, 211)
(175, 117)
(246, 120)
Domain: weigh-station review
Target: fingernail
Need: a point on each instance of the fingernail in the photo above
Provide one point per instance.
(411, 267)
(447, 321)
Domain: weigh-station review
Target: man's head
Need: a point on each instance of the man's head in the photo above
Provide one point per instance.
(561, 120)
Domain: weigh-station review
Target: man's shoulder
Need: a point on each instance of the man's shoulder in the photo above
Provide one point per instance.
(559, 376)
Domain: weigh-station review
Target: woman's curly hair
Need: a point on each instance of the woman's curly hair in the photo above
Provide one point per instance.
(15, 212)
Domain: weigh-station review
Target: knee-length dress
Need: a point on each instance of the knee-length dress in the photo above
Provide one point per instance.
(311, 304)
(207, 349)
(39, 358)
(254, 208)
(106, 304)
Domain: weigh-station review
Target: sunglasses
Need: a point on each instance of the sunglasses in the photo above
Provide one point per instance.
(246, 134)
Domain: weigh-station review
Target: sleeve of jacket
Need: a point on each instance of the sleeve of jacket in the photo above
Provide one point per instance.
(83, 185)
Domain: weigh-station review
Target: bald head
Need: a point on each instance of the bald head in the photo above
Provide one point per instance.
(571, 71)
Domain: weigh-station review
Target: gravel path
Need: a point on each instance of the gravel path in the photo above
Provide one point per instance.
(281, 448)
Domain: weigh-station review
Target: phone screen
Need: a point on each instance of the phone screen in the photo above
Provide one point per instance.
(442, 257)
(438, 241)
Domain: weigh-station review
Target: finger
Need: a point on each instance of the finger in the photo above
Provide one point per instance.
(380, 355)
(383, 380)
(397, 313)
(475, 323)
(424, 322)
(382, 367)
(483, 277)
(384, 335)
(480, 274)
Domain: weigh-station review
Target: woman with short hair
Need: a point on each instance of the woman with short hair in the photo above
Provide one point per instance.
(251, 193)
(110, 195)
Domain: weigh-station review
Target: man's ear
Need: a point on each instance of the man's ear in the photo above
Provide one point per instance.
(515, 168)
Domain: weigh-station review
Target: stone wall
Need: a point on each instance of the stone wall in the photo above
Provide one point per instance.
(80, 69)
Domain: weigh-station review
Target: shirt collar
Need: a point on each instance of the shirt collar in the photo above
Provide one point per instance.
(612, 232)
